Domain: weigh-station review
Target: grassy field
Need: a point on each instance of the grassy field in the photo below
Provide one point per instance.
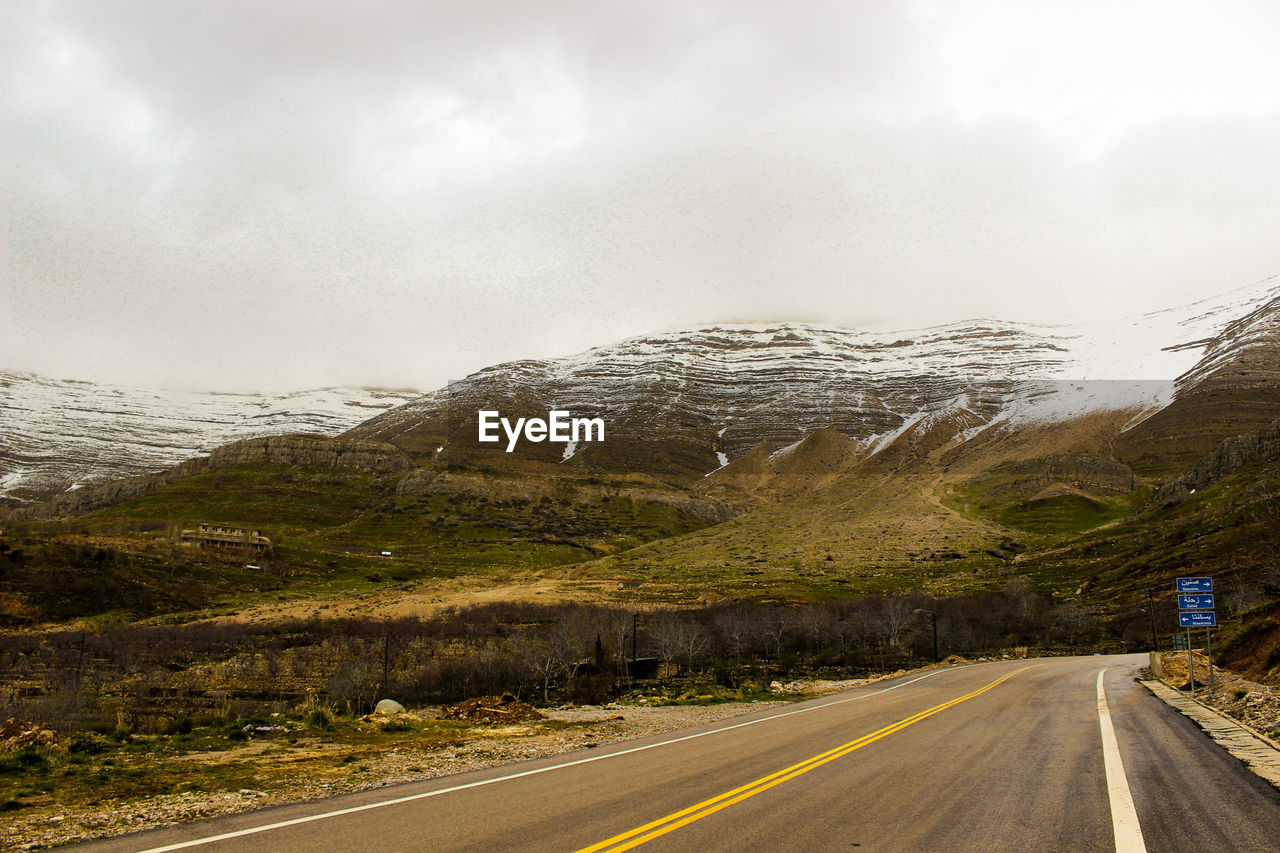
(329, 529)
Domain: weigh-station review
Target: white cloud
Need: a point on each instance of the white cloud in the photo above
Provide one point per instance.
(296, 194)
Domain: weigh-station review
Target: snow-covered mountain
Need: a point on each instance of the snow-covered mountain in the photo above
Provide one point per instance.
(1233, 388)
(685, 403)
(60, 434)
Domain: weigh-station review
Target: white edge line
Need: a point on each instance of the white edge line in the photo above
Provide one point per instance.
(196, 842)
(1124, 817)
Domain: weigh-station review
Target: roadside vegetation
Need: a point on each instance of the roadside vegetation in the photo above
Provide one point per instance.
(144, 679)
(133, 710)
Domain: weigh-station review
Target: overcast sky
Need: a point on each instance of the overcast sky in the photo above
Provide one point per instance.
(277, 195)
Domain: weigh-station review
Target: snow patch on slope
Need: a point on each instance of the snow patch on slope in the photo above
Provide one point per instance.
(888, 438)
(784, 451)
(58, 432)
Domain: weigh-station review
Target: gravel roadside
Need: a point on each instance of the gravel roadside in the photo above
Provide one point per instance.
(499, 745)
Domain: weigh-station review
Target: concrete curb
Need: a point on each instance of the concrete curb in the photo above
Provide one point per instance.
(1257, 751)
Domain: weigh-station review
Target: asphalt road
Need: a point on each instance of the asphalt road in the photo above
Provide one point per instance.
(1009, 756)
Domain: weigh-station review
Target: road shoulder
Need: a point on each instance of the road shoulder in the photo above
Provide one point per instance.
(1251, 747)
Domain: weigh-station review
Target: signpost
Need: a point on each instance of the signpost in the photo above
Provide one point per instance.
(1195, 584)
(1195, 610)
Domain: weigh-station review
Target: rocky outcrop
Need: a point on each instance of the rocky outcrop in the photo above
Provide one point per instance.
(91, 498)
(708, 510)
(582, 491)
(371, 457)
(1091, 474)
(308, 451)
(416, 481)
(1229, 456)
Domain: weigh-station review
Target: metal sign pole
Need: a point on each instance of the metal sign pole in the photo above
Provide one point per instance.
(1208, 640)
(1191, 663)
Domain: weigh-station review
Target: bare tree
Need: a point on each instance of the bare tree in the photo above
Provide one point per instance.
(895, 611)
(1019, 592)
(618, 627)
(737, 626)
(819, 625)
(551, 656)
(678, 636)
(1074, 621)
(355, 682)
(778, 626)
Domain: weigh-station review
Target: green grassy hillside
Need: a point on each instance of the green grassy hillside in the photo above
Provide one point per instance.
(920, 515)
(330, 529)
(1217, 531)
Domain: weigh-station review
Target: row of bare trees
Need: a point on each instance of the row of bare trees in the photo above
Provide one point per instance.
(542, 652)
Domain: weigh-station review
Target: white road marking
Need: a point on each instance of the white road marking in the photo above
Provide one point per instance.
(1124, 817)
(424, 795)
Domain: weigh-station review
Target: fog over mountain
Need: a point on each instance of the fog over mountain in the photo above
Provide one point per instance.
(258, 197)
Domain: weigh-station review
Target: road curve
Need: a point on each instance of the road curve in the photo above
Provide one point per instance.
(1040, 755)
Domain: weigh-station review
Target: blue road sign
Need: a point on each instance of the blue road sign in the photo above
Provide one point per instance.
(1195, 584)
(1196, 601)
(1198, 619)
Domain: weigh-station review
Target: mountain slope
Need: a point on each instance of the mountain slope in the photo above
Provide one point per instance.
(61, 434)
(683, 404)
(908, 516)
(1233, 389)
(951, 459)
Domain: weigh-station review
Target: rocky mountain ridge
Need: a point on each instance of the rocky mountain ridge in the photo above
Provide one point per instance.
(685, 404)
(1228, 457)
(1234, 388)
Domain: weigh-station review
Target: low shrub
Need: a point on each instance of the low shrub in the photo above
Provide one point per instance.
(89, 743)
(321, 718)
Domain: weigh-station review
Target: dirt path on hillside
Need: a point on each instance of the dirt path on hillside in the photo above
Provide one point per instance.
(929, 491)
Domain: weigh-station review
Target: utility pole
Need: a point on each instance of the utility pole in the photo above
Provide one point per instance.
(933, 622)
(935, 636)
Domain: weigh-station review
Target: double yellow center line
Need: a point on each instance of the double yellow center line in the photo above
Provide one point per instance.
(675, 820)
